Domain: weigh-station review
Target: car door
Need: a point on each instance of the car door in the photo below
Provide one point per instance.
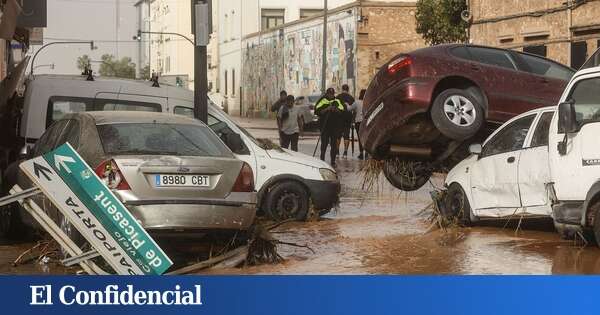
(494, 177)
(534, 167)
(503, 84)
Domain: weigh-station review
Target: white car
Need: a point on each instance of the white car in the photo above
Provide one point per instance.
(288, 183)
(508, 175)
(545, 162)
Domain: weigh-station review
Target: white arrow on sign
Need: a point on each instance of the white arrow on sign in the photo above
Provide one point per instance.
(59, 160)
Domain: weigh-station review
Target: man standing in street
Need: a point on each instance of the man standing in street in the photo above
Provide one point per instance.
(289, 123)
(275, 109)
(330, 111)
(347, 100)
(357, 111)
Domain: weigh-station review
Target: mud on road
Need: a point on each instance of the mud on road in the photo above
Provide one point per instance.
(384, 232)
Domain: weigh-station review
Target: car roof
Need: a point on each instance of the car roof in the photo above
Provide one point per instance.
(118, 117)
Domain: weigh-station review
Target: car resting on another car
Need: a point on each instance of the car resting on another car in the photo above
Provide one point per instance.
(425, 107)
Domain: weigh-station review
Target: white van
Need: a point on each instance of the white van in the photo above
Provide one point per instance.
(544, 162)
(288, 183)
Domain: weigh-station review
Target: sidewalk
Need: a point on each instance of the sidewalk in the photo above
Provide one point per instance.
(256, 123)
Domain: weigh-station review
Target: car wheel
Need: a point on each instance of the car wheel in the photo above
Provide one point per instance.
(11, 226)
(457, 204)
(406, 175)
(596, 209)
(287, 200)
(457, 114)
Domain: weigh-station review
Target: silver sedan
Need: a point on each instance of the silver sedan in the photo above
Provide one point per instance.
(173, 173)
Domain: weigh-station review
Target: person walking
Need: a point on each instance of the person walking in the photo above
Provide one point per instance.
(289, 123)
(347, 100)
(330, 112)
(275, 109)
(357, 111)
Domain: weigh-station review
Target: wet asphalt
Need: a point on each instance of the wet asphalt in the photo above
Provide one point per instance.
(385, 231)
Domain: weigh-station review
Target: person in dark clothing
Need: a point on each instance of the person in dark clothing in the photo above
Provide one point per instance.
(281, 101)
(330, 111)
(275, 109)
(347, 100)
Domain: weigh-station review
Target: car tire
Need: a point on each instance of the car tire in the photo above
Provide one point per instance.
(409, 176)
(287, 200)
(596, 226)
(457, 114)
(457, 205)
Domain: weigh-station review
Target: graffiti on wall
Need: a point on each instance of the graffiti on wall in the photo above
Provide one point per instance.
(291, 59)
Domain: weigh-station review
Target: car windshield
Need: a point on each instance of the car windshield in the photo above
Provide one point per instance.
(161, 139)
(586, 98)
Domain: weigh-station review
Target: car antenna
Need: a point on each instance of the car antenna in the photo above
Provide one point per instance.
(154, 79)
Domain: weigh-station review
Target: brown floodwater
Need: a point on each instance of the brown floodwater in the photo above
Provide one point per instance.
(385, 231)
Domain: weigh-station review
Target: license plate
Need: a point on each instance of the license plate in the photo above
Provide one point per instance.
(165, 180)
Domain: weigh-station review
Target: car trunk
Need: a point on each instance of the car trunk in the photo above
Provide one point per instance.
(141, 172)
(390, 73)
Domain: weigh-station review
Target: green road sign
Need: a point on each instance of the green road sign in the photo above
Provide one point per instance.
(108, 209)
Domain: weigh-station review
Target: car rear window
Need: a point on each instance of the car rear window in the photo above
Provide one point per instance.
(546, 68)
(494, 57)
(161, 139)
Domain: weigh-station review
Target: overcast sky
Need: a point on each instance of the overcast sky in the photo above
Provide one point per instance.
(87, 20)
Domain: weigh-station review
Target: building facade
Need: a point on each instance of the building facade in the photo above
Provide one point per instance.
(361, 36)
(172, 56)
(567, 31)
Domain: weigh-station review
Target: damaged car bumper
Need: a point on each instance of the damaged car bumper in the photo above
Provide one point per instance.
(236, 212)
(391, 111)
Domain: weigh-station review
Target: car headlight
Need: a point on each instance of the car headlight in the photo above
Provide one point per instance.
(328, 174)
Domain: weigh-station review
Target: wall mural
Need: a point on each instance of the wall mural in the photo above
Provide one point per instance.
(295, 54)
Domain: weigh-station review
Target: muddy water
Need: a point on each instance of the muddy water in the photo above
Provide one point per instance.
(385, 232)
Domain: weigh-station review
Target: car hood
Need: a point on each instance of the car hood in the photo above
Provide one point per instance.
(296, 157)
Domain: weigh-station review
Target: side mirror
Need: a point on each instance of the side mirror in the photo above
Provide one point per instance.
(567, 121)
(475, 149)
(25, 153)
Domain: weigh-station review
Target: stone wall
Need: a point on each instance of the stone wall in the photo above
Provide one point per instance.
(516, 24)
(384, 31)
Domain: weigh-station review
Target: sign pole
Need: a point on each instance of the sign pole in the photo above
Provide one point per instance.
(201, 17)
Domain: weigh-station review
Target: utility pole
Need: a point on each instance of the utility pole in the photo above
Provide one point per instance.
(324, 57)
(201, 24)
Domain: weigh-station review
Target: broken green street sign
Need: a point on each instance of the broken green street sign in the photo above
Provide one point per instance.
(108, 209)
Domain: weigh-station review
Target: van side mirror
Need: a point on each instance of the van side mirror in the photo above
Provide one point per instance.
(25, 153)
(475, 149)
(567, 119)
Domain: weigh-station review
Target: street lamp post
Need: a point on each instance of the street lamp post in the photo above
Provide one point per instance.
(324, 56)
(140, 32)
(91, 43)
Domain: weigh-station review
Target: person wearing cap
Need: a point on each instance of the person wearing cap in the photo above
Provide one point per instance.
(330, 111)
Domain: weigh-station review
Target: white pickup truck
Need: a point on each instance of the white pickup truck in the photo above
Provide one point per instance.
(545, 162)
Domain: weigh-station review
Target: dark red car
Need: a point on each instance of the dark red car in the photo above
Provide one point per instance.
(423, 107)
